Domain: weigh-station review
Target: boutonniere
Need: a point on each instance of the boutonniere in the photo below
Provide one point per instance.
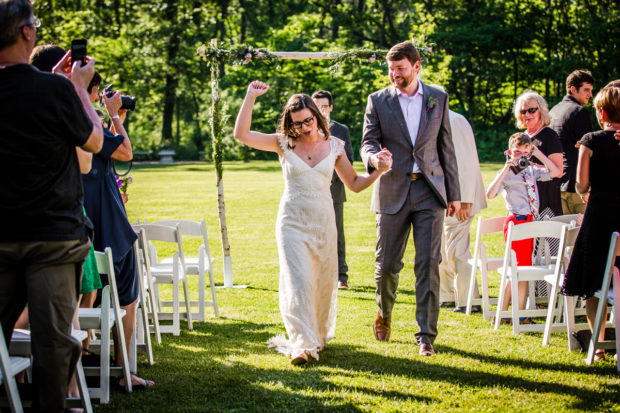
(430, 103)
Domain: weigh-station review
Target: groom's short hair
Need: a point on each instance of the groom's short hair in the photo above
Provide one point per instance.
(323, 94)
(404, 50)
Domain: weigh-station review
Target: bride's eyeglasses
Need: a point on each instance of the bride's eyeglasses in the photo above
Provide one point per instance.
(308, 122)
(531, 111)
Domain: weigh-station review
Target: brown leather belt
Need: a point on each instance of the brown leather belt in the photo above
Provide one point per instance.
(416, 176)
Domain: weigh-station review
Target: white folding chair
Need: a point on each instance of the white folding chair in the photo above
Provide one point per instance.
(595, 344)
(104, 318)
(513, 273)
(485, 264)
(200, 265)
(569, 218)
(141, 339)
(9, 368)
(21, 345)
(150, 306)
(562, 309)
(173, 273)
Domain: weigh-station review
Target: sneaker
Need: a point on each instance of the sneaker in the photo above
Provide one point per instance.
(342, 285)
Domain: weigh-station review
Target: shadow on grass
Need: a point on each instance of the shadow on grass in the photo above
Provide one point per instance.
(421, 370)
(225, 365)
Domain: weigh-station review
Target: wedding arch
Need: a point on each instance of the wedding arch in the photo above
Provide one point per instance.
(239, 55)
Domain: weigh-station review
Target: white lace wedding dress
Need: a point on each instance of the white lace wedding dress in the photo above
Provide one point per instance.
(307, 248)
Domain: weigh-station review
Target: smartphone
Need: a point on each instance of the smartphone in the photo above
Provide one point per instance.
(78, 51)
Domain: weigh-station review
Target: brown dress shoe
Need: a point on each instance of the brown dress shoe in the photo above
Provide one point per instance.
(426, 349)
(381, 327)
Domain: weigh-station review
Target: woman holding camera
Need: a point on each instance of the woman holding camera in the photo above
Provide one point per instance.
(532, 114)
(105, 208)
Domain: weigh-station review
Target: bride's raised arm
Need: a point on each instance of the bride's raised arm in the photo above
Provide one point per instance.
(258, 140)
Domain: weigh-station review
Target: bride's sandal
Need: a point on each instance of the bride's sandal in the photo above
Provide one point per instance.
(599, 355)
(299, 360)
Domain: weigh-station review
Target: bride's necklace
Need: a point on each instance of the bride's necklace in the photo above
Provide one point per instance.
(310, 153)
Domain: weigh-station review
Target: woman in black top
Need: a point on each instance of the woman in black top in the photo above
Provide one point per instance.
(532, 114)
(597, 170)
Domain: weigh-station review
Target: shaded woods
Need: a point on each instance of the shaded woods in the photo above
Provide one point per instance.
(485, 53)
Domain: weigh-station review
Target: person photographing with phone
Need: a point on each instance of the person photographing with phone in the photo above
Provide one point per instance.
(45, 234)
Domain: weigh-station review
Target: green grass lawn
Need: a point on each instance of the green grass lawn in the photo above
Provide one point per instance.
(224, 364)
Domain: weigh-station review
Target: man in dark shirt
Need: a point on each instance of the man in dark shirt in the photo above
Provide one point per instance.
(325, 102)
(570, 120)
(45, 234)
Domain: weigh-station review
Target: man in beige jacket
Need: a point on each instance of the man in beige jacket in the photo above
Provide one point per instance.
(454, 270)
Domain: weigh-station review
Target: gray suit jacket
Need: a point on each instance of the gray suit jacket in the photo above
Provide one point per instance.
(385, 126)
(342, 132)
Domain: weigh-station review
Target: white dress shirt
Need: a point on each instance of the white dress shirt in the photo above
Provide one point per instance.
(412, 110)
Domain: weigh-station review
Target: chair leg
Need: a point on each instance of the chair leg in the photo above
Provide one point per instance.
(216, 309)
(104, 371)
(553, 295)
(176, 330)
(82, 387)
(616, 313)
(486, 303)
(569, 318)
(515, 302)
(145, 335)
(502, 287)
(187, 304)
(470, 290)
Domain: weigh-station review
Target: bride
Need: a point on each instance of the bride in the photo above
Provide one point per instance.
(305, 228)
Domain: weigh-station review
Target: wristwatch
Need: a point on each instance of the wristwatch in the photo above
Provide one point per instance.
(116, 117)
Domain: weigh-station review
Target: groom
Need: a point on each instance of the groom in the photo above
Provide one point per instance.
(411, 120)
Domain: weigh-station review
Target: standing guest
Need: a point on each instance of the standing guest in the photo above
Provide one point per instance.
(104, 207)
(305, 229)
(45, 234)
(597, 172)
(454, 270)
(520, 190)
(532, 114)
(571, 120)
(411, 120)
(324, 100)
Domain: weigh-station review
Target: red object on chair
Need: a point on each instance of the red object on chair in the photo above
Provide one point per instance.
(524, 248)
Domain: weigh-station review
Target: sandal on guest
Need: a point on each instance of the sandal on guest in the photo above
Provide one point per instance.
(143, 384)
(599, 355)
(299, 360)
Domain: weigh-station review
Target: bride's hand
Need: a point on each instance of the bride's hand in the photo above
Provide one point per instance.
(257, 88)
(384, 159)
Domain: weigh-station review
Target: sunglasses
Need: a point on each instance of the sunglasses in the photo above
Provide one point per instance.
(308, 122)
(531, 111)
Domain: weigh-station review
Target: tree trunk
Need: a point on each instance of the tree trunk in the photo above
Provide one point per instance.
(171, 79)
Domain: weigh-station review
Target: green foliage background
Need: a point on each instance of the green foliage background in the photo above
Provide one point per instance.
(487, 52)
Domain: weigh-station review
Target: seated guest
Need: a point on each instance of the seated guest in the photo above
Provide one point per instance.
(597, 172)
(45, 234)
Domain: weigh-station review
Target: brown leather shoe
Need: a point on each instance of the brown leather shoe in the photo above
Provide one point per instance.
(381, 327)
(426, 349)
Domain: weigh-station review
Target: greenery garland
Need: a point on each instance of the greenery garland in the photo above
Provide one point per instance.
(243, 54)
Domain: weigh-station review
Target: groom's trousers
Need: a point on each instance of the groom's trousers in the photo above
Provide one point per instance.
(423, 213)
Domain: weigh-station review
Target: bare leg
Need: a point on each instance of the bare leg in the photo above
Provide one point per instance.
(87, 301)
(591, 307)
(129, 325)
(508, 295)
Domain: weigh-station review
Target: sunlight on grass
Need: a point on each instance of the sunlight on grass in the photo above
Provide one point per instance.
(225, 365)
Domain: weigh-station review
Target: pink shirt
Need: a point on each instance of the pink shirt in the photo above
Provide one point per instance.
(412, 110)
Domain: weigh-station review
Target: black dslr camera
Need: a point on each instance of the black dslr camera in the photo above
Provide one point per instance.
(522, 163)
(129, 102)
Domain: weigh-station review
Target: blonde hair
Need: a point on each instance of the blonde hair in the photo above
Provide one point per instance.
(531, 96)
(608, 98)
(519, 139)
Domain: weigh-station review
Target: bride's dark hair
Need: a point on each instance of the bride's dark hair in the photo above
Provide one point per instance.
(296, 103)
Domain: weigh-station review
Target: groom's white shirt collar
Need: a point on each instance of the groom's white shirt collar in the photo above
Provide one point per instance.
(412, 111)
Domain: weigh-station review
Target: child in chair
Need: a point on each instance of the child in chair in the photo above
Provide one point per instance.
(517, 181)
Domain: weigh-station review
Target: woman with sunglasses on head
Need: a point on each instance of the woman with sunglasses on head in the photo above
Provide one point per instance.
(306, 227)
(532, 114)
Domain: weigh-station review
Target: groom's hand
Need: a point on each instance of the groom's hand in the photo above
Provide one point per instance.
(382, 160)
(453, 208)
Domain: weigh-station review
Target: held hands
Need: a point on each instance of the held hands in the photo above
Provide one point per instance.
(257, 88)
(453, 208)
(383, 160)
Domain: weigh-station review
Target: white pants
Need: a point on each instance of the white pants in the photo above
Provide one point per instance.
(454, 270)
